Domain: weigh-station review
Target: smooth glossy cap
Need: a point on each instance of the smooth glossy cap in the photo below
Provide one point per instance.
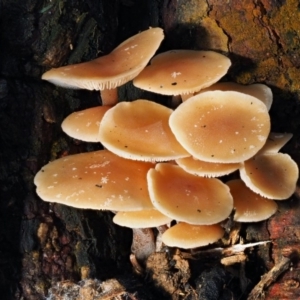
(222, 127)
(95, 180)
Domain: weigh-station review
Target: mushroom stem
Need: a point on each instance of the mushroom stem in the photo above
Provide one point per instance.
(143, 243)
(109, 96)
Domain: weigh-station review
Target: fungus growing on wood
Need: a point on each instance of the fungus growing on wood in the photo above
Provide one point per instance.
(188, 198)
(110, 71)
(140, 130)
(222, 127)
(178, 72)
(249, 206)
(146, 218)
(84, 125)
(273, 176)
(187, 236)
(95, 180)
(206, 169)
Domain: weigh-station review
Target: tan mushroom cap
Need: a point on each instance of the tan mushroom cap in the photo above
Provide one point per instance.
(95, 180)
(222, 127)
(140, 130)
(188, 198)
(112, 70)
(273, 176)
(275, 142)
(206, 169)
(141, 219)
(84, 125)
(257, 90)
(188, 236)
(249, 206)
(178, 72)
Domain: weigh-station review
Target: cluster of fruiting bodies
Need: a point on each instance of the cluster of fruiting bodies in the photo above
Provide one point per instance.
(161, 164)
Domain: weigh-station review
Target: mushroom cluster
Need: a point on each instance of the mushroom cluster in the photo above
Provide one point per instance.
(161, 164)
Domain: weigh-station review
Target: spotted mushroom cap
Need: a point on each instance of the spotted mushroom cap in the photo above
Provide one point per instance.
(178, 72)
(206, 169)
(84, 125)
(146, 218)
(95, 180)
(187, 236)
(222, 127)
(249, 206)
(257, 90)
(140, 130)
(188, 198)
(273, 176)
(112, 70)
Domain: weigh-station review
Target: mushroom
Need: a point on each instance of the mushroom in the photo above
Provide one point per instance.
(140, 130)
(141, 219)
(221, 127)
(273, 176)
(249, 206)
(95, 180)
(179, 72)
(257, 90)
(188, 198)
(84, 125)
(186, 236)
(206, 169)
(112, 70)
(275, 142)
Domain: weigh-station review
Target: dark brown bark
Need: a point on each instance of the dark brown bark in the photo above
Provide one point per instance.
(42, 244)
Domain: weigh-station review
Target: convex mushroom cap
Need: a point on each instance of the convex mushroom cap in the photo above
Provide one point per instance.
(257, 90)
(84, 125)
(112, 70)
(146, 218)
(187, 236)
(140, 130)
(95, 180)
(222, 127)
(249, 206)
(188, 198)
(273, 176)
(179, 72)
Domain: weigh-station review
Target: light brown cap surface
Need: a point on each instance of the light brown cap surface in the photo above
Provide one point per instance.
(140, 130)
(275, 142)
(257, 90)
(249, 206)
(188, 236)
(271, 175)
(178, 72)
(141, 219)
(96, 180)
(206, 169)
(223, 127)
(188, 198)
(112, 70)
(84, 125)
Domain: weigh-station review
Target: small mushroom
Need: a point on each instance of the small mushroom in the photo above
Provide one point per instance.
(146, 218)
(188, 236)
(179, 72)
(257, 90)
(112, 70)
(206, 169)
(188, 198)
(273, 176)
(249, 206)
(221, 127)
(140, 130)
(84, 125)
(95, 180)
(275, 142)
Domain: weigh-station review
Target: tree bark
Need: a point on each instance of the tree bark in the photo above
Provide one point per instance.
(41, 243)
